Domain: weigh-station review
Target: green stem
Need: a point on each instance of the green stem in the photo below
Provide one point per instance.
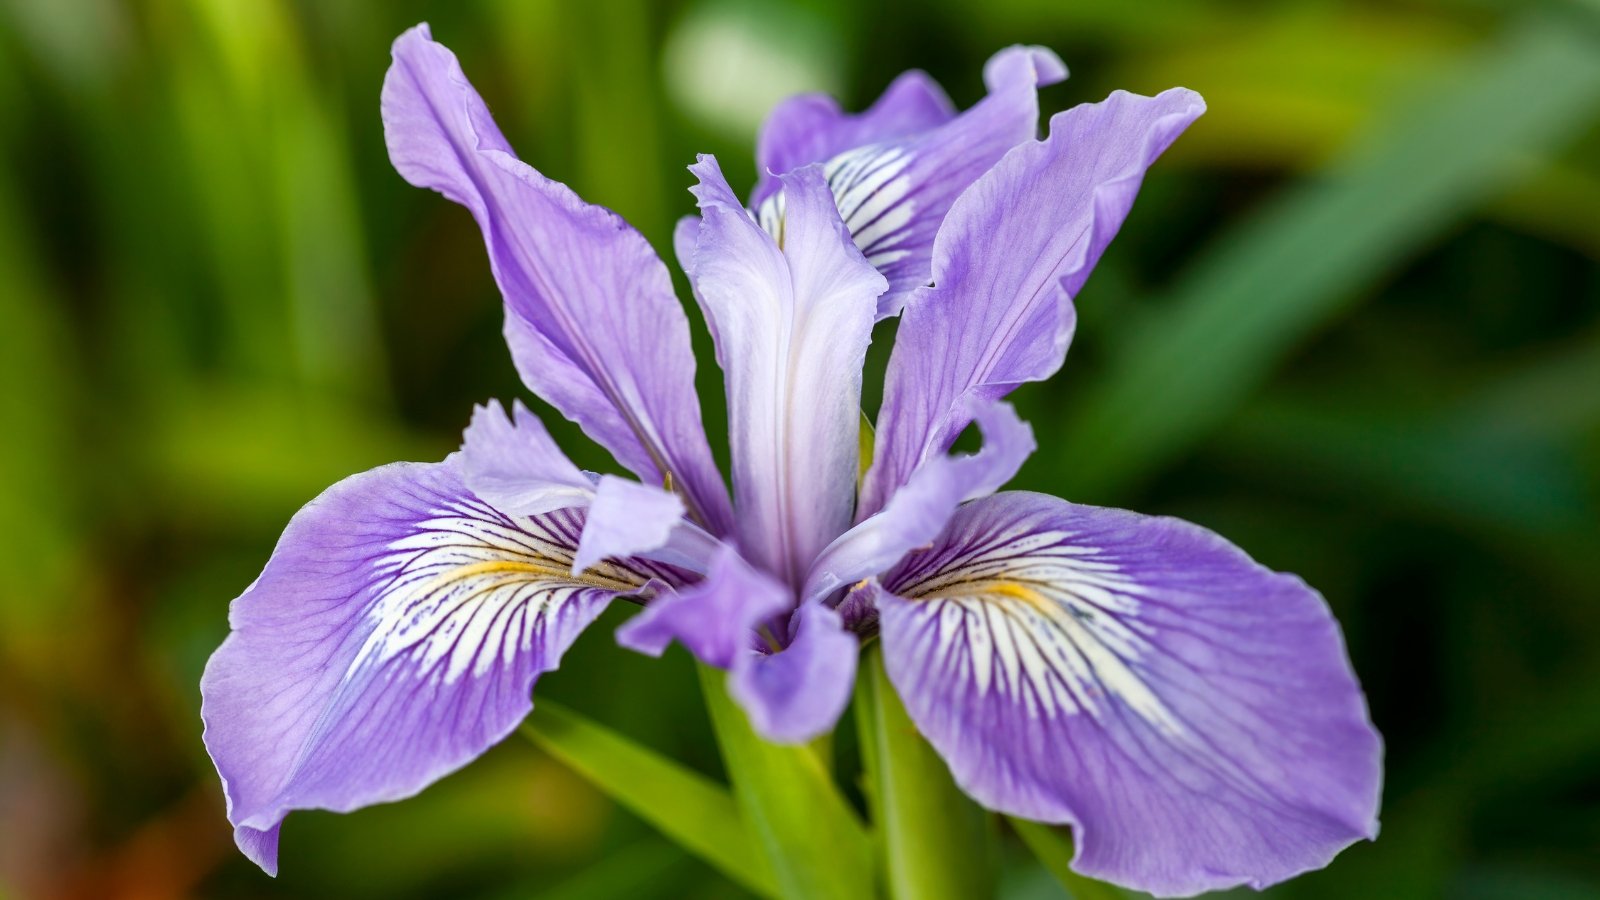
(935, 842)
(815, 843)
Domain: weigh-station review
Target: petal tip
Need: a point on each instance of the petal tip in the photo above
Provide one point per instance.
(1037, 66)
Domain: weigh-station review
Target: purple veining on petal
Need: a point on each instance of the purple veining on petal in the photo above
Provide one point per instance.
(811, 128)
(393, 636)
(893, 187)
(1192, 714)
(591, 319)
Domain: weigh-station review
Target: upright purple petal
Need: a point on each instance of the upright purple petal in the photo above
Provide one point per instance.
(918, 511)
(1190, 713)
(1010, 256)
(591, 318)
(394, 635)
(798, 693)
(893, 185)
(792, 317)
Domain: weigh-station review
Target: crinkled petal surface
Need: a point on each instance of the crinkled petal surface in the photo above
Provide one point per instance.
(1011, 254)
(394, 635)
(792, 315)
(894, 186)
(592, 322)
(1190, 713)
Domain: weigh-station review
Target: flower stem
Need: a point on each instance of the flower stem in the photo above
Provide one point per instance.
(936, 843)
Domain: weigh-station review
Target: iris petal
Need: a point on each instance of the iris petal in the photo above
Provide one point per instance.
(1011, 254)
(1191, 713)
(894, 184)
(792, 316)
(591, 319)
(919, 510)
(394, 635)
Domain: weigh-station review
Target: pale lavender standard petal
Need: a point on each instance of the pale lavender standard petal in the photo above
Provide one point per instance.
(394, 635)
(792, 316)
(918, 511)
(1011, 254)
(592, 322)
(893, 187)
(1189, 712)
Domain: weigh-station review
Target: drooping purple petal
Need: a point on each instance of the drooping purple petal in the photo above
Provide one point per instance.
(591, 318)
(394, 635)
(1190, 713)
(514, 465)
(918, 511)
(792, 317)
(1011, 254)
(811, 128)
(798, 693)
(893, 185)
(715, 618)
(792, 674)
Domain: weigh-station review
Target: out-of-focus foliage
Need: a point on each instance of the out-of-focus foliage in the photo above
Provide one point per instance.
(1353, 323)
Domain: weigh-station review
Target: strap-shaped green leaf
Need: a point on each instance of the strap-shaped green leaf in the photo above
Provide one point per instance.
(815, 843)
(936, 843)
(686, 806)
(1053, 847)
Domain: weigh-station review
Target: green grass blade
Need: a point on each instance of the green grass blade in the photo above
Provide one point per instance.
(1307, 257)
(937, 844)
(816, 845)
(685, 806)
(1053, 847)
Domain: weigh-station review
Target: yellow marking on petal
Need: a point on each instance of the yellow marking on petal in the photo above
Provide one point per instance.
(520, 567)
(1014, 590)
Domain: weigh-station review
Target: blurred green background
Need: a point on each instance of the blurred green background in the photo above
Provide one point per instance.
(1353, 323)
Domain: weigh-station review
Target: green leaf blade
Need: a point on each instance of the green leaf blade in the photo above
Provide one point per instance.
(684, 805)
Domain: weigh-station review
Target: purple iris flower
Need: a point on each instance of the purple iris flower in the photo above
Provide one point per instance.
(1189, 712)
